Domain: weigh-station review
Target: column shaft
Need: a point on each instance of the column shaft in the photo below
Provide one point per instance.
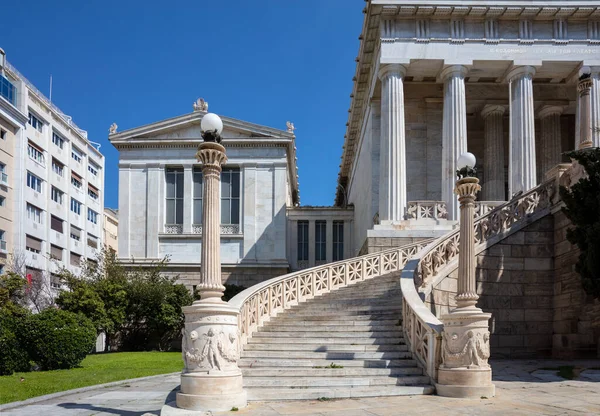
(522, 169)
(212, 156)
(595, 106)
(493, 154)
(551, 141)
(454, 132)
(392, 184)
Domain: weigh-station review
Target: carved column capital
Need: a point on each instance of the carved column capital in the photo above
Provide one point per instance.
(549, 110)
(492, 109)
(454, 71)
(520, 72)
(386, 70)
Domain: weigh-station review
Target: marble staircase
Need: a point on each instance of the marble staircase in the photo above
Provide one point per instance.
(347, 343)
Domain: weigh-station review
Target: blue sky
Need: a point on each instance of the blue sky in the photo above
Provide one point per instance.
(137, 62)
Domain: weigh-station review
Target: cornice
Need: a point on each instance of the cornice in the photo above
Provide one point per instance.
(20, 118)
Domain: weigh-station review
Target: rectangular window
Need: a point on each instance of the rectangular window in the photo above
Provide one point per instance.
(56, 224)
(34, 182)
(93, 193)
(92, 216)
(75, 233)
(92, 241)
(34, 214)
(75, 206)
(230, 196)
(35, 153)
(2, 242)
(197, 175)
(57, 195)
(8, 90)
(33, 244)
(57, 167)
(2, 201)
(56, 252)
(35, 122)
(75, 260)
(2, 134)
(3, 175)
(76, 180)
(174, 199)
(57, 140)
(302, 240)
(320, 240)
(76, 154)
(338, 240)
(93, 169)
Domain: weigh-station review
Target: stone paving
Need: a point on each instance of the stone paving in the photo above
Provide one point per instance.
(523, 387)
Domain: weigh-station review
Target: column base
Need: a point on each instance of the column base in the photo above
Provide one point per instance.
(220, 391)
(465, 383)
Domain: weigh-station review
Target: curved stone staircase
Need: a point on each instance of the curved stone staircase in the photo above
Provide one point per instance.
(347, 343)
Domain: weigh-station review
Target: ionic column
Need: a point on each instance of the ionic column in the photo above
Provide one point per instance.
(595, 105)
(551, 141)
(493, 153)
(392, 165)
(212, 156)
(521, 169)
(454, 132)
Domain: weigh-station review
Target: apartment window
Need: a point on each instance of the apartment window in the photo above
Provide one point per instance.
(2, 134)
(35, 122)
(92, 241)
(8, 90)
(57, 167)
(35, 153)
(76, 180)
(92, 216)
(320, 240)
(75, 233)
(302, 240)
(2, 241)
(93, 193)
(56, 224)
(57, 140)
(230, 196)
(75, 206)
(2, 201)
(3, 175)
(197, 176)
(75, 259)
(34, 214)
(33, 244)
(56, 252)
(76, 154)
(174, 200)
(338, 240)
(57, 195)
(93, 169)
(34, 182)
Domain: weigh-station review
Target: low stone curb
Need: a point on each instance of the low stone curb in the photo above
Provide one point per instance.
(38, 399)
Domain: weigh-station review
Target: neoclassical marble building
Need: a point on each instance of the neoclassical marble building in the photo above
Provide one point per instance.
(434, 79)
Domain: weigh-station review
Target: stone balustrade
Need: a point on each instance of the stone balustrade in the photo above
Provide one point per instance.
(259, 303)
(484, 207)
(419, 210)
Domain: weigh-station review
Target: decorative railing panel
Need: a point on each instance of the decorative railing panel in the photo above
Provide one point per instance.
(173, 229)
(418, 210)
(259, 303)
(484, 207)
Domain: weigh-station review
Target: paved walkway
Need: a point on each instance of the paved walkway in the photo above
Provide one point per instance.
(523, 388)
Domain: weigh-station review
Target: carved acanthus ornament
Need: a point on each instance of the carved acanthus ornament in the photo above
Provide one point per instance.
(200, 105)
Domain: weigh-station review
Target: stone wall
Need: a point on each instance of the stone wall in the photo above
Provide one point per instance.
(515, 283)
(576, 316)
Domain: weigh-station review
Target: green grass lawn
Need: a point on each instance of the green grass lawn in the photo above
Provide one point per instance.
(95, 369)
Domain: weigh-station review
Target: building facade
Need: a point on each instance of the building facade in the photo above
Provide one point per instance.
(56, 187)
(111, 229)
(434, 80)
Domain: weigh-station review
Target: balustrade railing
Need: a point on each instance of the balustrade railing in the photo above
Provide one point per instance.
(259, 303)
(418, 210)
(484, 207)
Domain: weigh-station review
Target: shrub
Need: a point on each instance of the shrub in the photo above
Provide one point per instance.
(13, 356)
(58, 339)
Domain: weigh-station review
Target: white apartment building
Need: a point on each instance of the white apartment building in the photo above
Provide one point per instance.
(57, 185)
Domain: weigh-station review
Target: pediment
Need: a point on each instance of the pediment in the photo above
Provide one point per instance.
(187, 128)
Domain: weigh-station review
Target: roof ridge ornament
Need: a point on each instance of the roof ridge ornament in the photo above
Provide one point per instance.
(113, 128)
(200, 105)
(290, 127)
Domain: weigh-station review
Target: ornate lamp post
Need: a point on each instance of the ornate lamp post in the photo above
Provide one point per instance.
(211, 379)
(464, 371)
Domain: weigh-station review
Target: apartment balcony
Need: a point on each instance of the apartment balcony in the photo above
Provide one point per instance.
(36, 167)
(93, 179)
(35, 260)
(57, 209)
(37, 137)
(77, 220)
(35, 229)
(92, 228)
(35, 198)
(76, 246)
(58, 239)
(57, 180)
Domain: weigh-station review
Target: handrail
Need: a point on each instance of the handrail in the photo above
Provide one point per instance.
(261, 302)
(422, 329)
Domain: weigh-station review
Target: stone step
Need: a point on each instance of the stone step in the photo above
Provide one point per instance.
(321, 347)
(332, 320)
(347, 308)
(361, 292)
(318, 335)
(283, 393)
(304, 382)
(327, 314)
(330, 328)
(393, 355)
(327, 340)
(293, 363)
(327, 371)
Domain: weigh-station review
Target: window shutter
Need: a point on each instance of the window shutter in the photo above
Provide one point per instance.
(56, 224)
(34, 243)
(56, 252)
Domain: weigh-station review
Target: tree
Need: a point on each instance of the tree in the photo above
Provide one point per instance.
(582, 205)
(38, 292)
